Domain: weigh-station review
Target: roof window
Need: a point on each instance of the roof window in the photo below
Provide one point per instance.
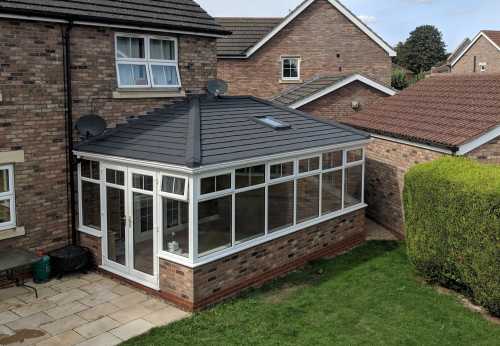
(272, 122)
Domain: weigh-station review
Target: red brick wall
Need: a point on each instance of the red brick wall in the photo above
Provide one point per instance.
(488, 153)
(484, 51)
(32, 111)
(317, 36)
(219, 280)
(338, 105)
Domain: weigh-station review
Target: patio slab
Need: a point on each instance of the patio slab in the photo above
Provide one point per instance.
(83, 310)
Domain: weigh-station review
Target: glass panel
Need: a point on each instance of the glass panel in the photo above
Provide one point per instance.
(282, 170)
(132, 75)
(308, 165)
(115, 201)
(164, 75)
(214, 184)
(143, 232)
(115, 177)
(142, 182)
(179, 186)
(223, 182)
(332, 192)
(280, 206)
(250, 212)
(307, 198)
(175, 227)
(332, 159)
(4, 181)
(207, 185)
(173, 185)
(355, 155)
(130, 48)
(353, 185)
(250, 176)
(85, 168)
(94, 167)
(214, 225)
(5, 212)
(162, 49)
(91, 205)
(290, 68)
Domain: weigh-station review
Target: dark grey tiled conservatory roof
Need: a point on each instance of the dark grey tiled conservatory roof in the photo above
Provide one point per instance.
(204, 131)
(173, 14)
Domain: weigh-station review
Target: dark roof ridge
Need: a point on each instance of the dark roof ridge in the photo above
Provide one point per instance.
(193, 139)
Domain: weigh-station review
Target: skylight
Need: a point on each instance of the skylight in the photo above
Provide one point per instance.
(272, 122)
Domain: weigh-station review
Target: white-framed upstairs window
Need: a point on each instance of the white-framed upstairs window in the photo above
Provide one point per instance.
(7, 198)
(144, 61)
(290, 68)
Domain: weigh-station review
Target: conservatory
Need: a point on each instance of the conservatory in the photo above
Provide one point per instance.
(184, 190)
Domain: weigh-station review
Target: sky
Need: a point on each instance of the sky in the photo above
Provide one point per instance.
(393, 20)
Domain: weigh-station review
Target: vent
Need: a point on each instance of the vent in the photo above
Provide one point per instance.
(272, 122)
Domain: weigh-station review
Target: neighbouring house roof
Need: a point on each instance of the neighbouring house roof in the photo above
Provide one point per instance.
(250, 34)
(205, 131)
(309, 91)
(445, 111)
(464, 44)
(169, 14)
(491, 35)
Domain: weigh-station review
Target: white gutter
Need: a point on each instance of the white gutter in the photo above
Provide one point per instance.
(413, 144)
(476, 143)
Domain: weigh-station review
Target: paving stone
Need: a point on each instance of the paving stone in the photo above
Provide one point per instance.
(30, 309)
(129, 299)
(66, 310)
(4, 330)
(166, 316)
(132, 329)
(11, 292)
(98, 312)
(105, 339)
(64, 324)
(123, 290)
(68, 338)
(31, 322)
(130, 314)
(93, 277)
(95, 328)
(154, 304)
(8, 316)
(70, 284)
(99, 298)
(43, 293)
(27, 338)
(68, 296)
(11, 303)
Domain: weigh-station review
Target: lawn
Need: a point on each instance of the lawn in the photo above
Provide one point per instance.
(370, 296)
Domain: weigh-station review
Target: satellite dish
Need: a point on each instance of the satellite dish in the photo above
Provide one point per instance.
(217, 87)
(90, 125)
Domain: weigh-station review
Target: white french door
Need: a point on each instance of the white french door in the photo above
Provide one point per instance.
(130, 224)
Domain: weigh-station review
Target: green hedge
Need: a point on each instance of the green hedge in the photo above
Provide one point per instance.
(452, 215)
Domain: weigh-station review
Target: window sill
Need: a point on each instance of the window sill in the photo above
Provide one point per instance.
(292, 81)
(147, 93)
(90, 231)
(12, 233)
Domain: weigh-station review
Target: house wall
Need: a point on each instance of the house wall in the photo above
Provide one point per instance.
(488, 153)
(338, 105)
(32, 112)
(484, 51)
(193, 289)
(317, 35)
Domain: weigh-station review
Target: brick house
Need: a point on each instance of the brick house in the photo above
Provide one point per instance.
(163, 194)
(321, 44)
(481, 55)
(446, 114)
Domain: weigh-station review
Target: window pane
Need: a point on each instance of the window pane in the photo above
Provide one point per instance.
(5, 212)
(91, 205)
(130, 48)
(280, 206)
(85, 168)
(332, 159)
(162, 49)
(355, 155)
(168, 184)
(308, 165)
(115, 177)
(223, 182)
(132, 75)
(250, 215)
(4, 181)
(250, 176)
(207, 185)
(142, 182)
(179, 186)
(214, 225)
(332, 192)
(175, 227)
(90, 169)
(143, 232)
(307, 198)
(164, 75)
(282, 170)
(117, 225)
(290, 68)
(353, 185)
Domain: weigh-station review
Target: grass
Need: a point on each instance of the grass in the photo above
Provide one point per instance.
(370, 296)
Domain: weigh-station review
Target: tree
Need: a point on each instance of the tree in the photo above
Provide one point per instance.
(422, 50)
(399, 80)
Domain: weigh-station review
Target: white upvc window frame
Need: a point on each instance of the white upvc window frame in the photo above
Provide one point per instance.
(282, 66)
(102, 179)
(183, 197)
(483, 67)
(10, 196)
(148, 62)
